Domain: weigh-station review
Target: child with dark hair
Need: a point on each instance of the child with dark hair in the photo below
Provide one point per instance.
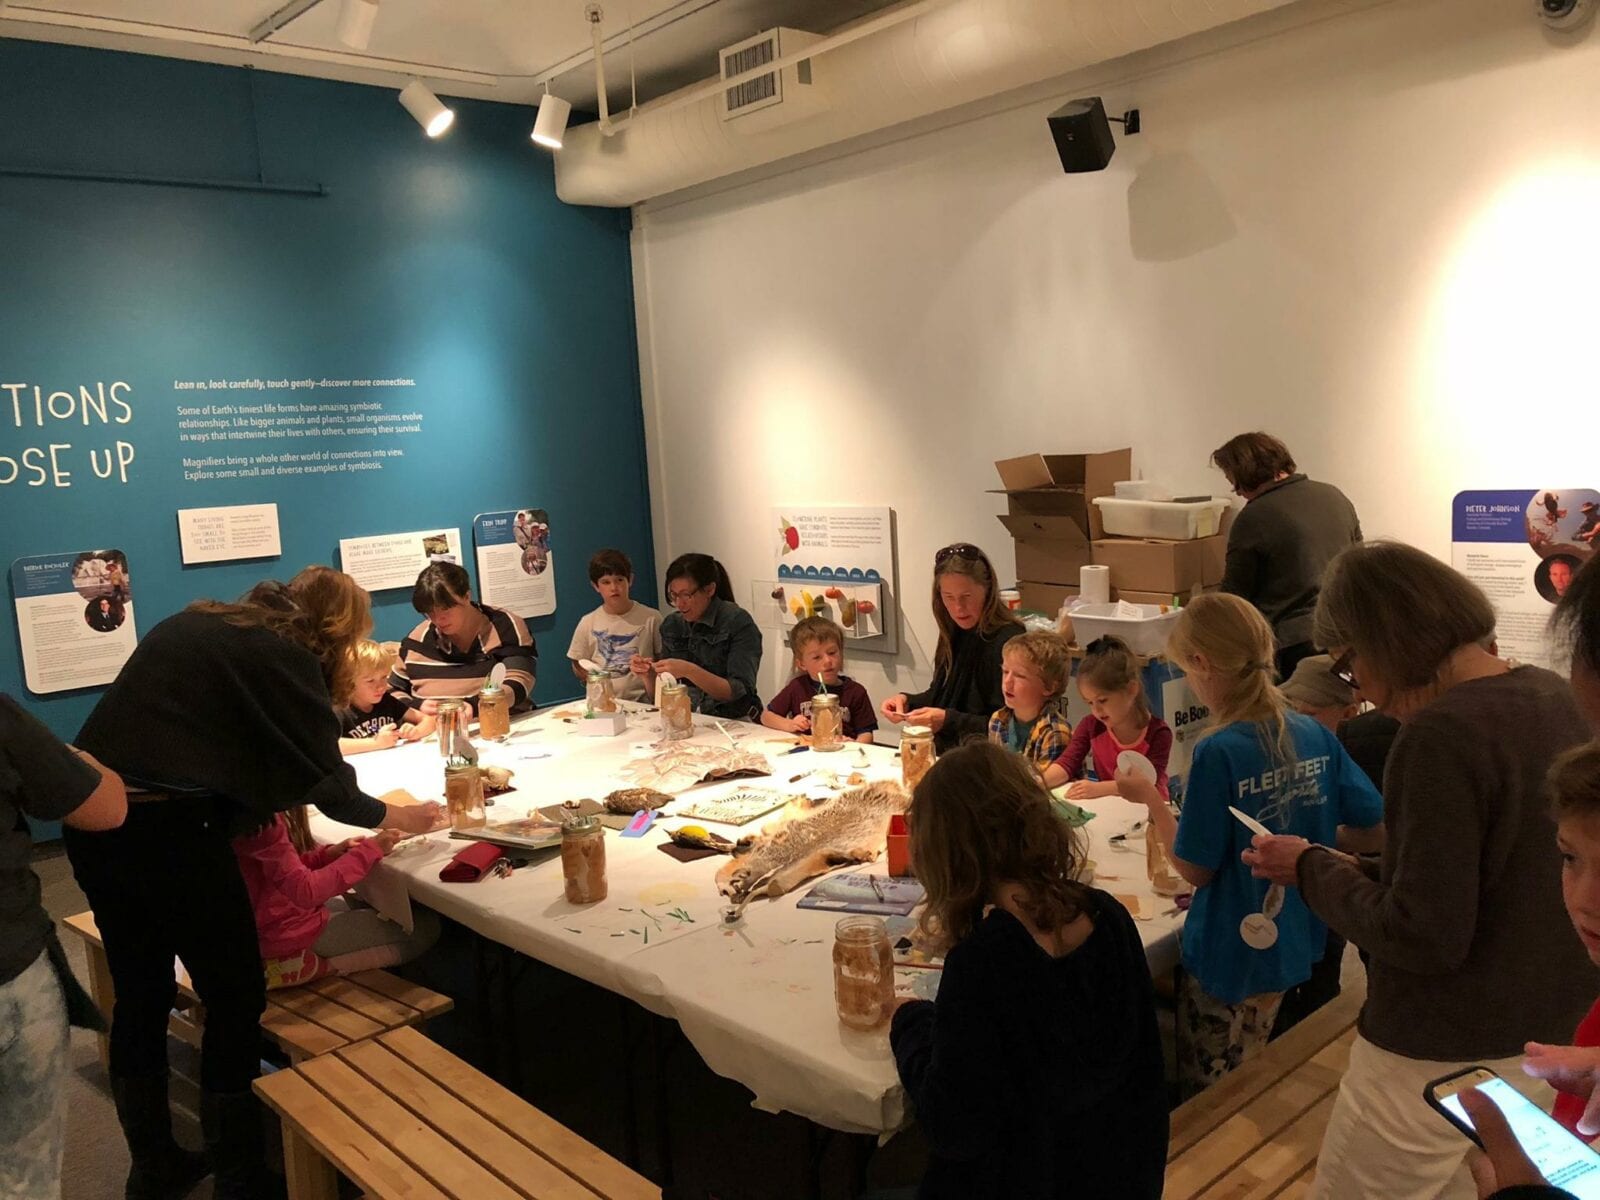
(818, 646)
(1119, 719)
(1037, 1071)
(619, 629)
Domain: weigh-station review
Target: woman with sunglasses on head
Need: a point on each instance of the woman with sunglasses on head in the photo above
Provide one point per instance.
(1470, 953)
(708, 642)
(973, 629)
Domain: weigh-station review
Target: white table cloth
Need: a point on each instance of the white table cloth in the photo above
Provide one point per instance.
(755, 999)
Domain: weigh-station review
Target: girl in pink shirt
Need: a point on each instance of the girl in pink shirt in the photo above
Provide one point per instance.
(306, 925)
(1120, 719)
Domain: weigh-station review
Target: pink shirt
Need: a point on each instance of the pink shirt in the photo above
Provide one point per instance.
(1093, 737)
(289, 890)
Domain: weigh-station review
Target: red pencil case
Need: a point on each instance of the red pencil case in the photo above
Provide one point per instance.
(471, 864)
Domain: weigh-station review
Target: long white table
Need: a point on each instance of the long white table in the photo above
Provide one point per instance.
(756, 999)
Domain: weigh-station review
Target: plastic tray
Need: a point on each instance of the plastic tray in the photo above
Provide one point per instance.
(1140, 489)
(1146, 634)
(1176, 521)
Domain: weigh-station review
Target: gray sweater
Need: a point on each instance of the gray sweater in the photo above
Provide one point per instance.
(1472, 953)
(1279, 547)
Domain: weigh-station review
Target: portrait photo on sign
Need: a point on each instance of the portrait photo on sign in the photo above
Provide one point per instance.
(97, 573)
(532, 531)
(1564, 521)
(1554, 576)
(105, 614)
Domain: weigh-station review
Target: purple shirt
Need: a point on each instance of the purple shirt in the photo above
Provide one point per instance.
(855, 706)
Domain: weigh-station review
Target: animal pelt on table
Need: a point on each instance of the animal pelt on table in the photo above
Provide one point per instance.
(805, 843)
(681, 765)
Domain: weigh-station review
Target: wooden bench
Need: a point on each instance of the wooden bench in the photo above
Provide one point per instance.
(1256, 1132)
(315, 1018)
(402, 1117)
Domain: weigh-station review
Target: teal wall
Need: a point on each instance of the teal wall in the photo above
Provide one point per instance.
(449, 262)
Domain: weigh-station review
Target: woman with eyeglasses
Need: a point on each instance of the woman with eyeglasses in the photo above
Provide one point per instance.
(707, 642)
(973, 629)
(1469, 945)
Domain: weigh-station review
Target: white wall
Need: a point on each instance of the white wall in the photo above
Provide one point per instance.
(1373, 231)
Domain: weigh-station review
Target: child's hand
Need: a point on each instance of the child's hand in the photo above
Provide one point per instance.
(1085, 789)
(800, 723)
(1137, 789)
(341, 848)
(385, 737)
(387, 839)
(415, 733)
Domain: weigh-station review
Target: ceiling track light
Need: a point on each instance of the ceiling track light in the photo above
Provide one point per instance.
(356, 18)
(422, 104)
(551, 124)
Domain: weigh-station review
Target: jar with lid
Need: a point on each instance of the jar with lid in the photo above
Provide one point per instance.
(827, 724)
(583, 859)
(598, 696)
(677, 718)
(494, 712)
(916, 755)
(463, 794)
(863, 972)
(452, 716)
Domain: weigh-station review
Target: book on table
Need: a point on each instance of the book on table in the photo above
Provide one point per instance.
(860, 892)
(528, 833)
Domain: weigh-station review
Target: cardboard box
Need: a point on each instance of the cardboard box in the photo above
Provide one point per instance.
(1215, 549)
(1045, 598)
(1049, 549)
(1146, 565)
(1061, 485)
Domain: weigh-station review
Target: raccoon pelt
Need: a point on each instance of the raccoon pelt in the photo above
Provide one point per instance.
(851, 828)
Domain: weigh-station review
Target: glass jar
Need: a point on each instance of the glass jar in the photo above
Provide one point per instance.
(827, 722)
(863, 972)
(494, 713)
(452, 716)
(598, 696)
(677, 718)
(916, 755)
(1164, 877)
(583, 860)
(463, 794)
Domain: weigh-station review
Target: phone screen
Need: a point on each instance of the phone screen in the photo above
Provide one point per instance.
(1562, 1159)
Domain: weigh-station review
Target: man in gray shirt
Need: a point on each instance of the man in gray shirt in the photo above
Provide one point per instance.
(1290, 529)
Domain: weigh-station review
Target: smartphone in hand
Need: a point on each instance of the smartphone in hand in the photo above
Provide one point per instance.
(1563, 1159)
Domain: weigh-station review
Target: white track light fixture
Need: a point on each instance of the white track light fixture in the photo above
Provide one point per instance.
(551, 124)
(356, 18)
(422, 104)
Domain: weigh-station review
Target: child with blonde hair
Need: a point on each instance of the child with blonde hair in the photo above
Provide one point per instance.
(1245, 942)
(1119, 719)
(376, 718)
(818, 647)
(1033, 722)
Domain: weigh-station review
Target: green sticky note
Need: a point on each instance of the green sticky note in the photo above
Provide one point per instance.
(1071, 813)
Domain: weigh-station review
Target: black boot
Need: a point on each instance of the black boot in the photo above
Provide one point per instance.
(231, 1122)
(162, 1169)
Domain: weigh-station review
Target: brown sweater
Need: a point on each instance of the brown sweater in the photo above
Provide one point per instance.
(1472, 953)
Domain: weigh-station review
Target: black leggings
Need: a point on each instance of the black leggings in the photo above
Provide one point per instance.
(166, 885)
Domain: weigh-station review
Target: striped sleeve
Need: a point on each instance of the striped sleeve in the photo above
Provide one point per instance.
(512, 644)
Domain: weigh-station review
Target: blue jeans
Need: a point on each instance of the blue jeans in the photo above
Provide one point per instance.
(33, 1083)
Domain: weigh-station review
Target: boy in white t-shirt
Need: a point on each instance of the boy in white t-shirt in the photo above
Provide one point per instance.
(619, 629)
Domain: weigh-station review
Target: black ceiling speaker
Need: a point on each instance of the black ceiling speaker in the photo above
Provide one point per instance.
(1083, 134)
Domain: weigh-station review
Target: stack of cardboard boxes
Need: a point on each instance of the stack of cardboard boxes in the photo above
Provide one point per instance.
(1057, 531)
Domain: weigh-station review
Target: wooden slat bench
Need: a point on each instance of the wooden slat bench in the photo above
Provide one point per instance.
(402, 1117)
(316, 1018)
(1256, 1132)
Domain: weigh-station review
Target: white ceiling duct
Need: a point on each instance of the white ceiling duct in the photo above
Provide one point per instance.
(945, 55)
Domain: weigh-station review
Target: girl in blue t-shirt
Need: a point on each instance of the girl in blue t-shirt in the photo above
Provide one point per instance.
(1245, 942)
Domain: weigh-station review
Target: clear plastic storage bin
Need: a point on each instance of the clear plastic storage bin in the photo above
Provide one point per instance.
(1175, 520)
(1145, 634)
(1140, 489)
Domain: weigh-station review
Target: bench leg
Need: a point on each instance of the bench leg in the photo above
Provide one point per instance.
(309, 1176)
(104, 994)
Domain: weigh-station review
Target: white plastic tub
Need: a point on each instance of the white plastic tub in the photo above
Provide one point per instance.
(1145, 634)
(1161, 519)
(1140, 489)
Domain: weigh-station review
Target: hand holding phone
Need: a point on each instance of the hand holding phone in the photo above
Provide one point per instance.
(1522, 1142)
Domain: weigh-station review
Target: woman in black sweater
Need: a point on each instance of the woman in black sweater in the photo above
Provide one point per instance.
(223, 716)
(973, 627)
(1037, 1073)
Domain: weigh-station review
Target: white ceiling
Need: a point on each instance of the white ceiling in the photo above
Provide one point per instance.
(488, 49)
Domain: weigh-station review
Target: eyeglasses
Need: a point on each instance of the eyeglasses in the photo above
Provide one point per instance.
(676, 597)
(957, 550)
(1342, 672)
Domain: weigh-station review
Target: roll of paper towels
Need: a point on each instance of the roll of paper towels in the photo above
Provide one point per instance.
(1094, 585)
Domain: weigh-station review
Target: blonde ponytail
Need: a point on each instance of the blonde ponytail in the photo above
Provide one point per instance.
(1236, 644)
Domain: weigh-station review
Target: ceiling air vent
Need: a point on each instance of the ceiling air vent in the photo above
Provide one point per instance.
(778, 97)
